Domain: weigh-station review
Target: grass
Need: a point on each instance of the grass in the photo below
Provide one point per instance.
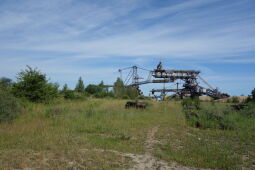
(63, 135)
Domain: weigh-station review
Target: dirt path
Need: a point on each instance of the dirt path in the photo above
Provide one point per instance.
(148, 161)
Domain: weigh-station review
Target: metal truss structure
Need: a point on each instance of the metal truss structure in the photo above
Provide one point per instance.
(189, 85)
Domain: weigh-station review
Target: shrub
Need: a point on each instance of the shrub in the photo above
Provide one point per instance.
(249, 111)
(68, 94)
(73, 95)
(9, 106)
(189, 103)
(34, 86)
(186, 103)
(80, 86)
(209, 115)
(125, 97)
(131, 92)
(253, 94)
(235, 99)
(5, 82)
(93, 89)
(119, 88)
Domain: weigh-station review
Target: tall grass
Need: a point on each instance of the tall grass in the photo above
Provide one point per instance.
(9, 106)
(64, 134)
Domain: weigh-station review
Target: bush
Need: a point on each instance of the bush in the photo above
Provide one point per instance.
(216, 117)
(73, 95)
(9, 106)
(125, 97)
(33, 85)
(189, 103)
(249, 111)
(209, 115)
(253, 94)
(80, 86)
(5, 82)
(235, 99)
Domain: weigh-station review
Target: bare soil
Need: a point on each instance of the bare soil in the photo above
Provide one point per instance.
(148, 161)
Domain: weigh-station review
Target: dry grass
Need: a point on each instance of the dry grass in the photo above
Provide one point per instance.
(64, 135)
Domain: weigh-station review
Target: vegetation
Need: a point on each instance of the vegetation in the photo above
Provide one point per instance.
(33, 85)
(101, 134)
(235, 99)
(121, 91)
(9, 106)
(5, 82)
(73, 134)
(80, 86)
(210, 115)
(99, 91)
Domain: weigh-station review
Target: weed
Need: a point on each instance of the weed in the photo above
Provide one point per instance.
(72, 131)
(9, 106)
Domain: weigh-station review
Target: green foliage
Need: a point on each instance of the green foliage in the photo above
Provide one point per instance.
(71, 94)
(65, 87)
(93, 89)
(66, 93)
(208, 115)
(253, 95)
(216, 116)
(33, 85)
(107, 126)
(120, 91)
(249, 111)
(5, 82)
(189, 103)
(9, 106)
(118, 88)
(99, 91)
(80, 86)
(235, 99)
(132, 92)
(104, 94)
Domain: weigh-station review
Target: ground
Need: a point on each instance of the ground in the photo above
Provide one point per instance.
(102, 134)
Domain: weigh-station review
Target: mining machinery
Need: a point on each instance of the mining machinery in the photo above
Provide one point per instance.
(189, 85)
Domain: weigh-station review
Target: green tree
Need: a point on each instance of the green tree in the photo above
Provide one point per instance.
(93, 89)
(253, 94)
(65, 88)
(119, 88)
(80, 86)
(33, 85)
(132, 92)
(5, 82)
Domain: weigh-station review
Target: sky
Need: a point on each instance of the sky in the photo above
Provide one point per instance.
(66, 39)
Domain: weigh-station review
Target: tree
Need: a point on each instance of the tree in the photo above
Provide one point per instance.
(80, 86)
(93, 89)
(65, 88)
(118, 88)
(5, 82)
(253, 94)
(132, 92)
(33, 85)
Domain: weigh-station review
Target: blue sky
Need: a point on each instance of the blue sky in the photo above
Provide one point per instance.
(70, 38)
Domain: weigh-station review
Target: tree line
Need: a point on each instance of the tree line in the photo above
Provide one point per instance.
(34, 86)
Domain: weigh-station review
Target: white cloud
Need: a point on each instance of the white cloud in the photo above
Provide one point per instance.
(137, 31)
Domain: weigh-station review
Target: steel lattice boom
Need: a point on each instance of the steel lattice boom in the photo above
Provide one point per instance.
(189, 78)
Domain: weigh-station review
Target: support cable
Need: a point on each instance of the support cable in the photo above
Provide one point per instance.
(206, 82)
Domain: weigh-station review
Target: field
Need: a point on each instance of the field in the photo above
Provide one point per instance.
(102, 134)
